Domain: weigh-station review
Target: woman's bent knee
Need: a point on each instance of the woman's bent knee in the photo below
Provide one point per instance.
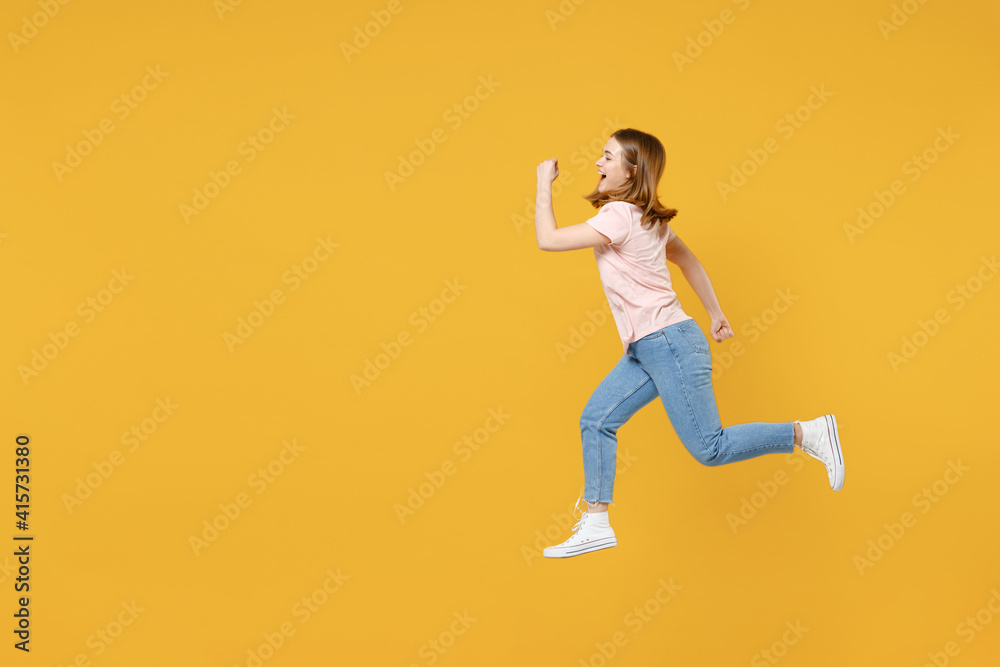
(711, 460)
(705, 453)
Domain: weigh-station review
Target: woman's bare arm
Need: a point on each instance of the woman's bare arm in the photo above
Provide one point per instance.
(678, 253)
(553, 238)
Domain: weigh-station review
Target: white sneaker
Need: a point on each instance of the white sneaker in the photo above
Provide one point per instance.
(591, 532)
(821, 441)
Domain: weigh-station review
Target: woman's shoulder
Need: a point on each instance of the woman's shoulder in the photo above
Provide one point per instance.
(621, 204)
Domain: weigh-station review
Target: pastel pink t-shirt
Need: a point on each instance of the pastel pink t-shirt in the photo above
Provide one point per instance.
(633, 270)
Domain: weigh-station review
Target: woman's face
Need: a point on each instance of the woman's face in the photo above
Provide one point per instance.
(610, 164)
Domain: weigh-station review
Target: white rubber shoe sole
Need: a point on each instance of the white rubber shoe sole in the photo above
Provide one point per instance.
(568, 550)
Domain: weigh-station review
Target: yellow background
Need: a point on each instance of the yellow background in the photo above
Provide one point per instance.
(460, 216)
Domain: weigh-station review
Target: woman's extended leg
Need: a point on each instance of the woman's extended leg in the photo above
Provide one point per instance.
(680, 364)
(621, 394)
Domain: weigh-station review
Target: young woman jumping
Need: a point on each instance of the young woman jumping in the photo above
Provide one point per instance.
(665, 352)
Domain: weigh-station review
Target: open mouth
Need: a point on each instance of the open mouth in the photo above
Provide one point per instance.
(603, 176)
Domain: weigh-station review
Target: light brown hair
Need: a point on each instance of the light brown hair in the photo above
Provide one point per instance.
(645, 152)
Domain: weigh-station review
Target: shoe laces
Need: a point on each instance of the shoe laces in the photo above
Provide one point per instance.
(812, 446)
(583, 516)
(809, 440)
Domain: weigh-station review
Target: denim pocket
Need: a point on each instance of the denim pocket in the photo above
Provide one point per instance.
(694, 336)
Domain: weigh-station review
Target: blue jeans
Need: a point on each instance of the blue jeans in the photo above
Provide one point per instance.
(675, 364)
